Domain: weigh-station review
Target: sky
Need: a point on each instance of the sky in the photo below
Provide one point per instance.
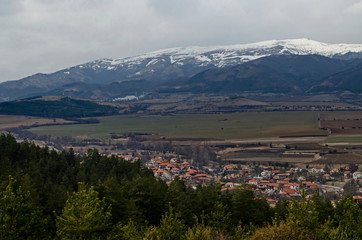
(43, 36)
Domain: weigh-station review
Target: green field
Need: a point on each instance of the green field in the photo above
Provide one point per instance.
(222, 126)
(344, 139)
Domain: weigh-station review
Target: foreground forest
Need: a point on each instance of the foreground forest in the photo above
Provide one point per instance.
(45, 194)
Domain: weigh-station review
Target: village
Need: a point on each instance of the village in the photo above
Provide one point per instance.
(274, 183)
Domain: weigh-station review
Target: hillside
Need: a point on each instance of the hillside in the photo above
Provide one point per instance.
(294, 74)
(348, 80)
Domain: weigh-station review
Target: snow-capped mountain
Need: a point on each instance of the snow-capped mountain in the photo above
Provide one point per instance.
(222, 56)
(163, 67)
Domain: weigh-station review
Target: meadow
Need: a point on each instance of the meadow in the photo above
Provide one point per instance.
(218, 126)
(9, 121)
(344, 139)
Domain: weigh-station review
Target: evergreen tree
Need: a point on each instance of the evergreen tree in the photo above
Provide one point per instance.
(202, 232)
(323, 207)
(282, 231)
(178, 197)
(348, 219)
(171, 228)
(130, 231)
(84, 216)
(18, 218)
(246, 208)
(303, 214)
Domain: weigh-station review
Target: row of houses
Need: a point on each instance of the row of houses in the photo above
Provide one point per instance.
(271, 182)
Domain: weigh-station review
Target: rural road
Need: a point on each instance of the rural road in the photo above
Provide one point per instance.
(266, 140)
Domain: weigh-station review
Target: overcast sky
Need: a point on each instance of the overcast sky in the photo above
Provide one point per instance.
(48, 35)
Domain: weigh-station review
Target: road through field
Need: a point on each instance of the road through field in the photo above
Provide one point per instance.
(267, 140)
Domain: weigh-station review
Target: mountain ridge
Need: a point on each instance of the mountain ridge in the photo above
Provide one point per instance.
(167, 65)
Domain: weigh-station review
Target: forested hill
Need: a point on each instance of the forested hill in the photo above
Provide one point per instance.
(62, 107)
(45, 194)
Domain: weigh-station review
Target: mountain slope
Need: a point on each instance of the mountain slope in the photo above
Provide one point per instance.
(277, 74)
(169, 65)
(348, 80)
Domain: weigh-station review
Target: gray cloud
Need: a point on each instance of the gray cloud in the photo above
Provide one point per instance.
(48, 35)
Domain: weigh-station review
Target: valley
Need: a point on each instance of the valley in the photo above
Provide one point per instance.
(181, 120)
(227, 114)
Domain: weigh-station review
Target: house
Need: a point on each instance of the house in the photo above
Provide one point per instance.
(223, 189)
(175, 170)
(191, 172)
(274, 172)
(293, 186)
(301, 179)
(357, 199)
(201, 175)
(326, 177)
(170, 166)
(253, 182)
(283, 182)
(357, 175)
(228, 169)
(187, 177)
(158, 173)
(263, 184)
(266, 174)
(288, 191)
(283, 175)
(167, 175)
(185, 165)
(317, 169)
(334, 171)
(274, 186)
(244, 167)
(163, 165)
(231, 185)
(127, 157)
(309, 185)
(271, 202)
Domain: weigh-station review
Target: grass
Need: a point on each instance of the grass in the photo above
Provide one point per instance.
(344, 139)
(9, 121)
(222, 126)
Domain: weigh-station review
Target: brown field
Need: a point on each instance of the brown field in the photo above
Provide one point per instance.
(339, 104)
(343, 126)
(268, 159)
(340, 159)
(8, 121)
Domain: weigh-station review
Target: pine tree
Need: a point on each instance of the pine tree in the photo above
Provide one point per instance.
(171, 228)
(84, 216)
(18, 218)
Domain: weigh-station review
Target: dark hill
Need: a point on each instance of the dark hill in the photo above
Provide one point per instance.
(349, 80)
(276, 74)
(61, 107)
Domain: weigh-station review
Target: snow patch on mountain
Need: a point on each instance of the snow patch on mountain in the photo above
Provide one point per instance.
(221, 56)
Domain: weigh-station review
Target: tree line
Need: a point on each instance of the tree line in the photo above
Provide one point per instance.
(45, 194)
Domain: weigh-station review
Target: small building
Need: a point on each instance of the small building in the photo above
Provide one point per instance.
(253, 182)
(318, 169)
(357, 175)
